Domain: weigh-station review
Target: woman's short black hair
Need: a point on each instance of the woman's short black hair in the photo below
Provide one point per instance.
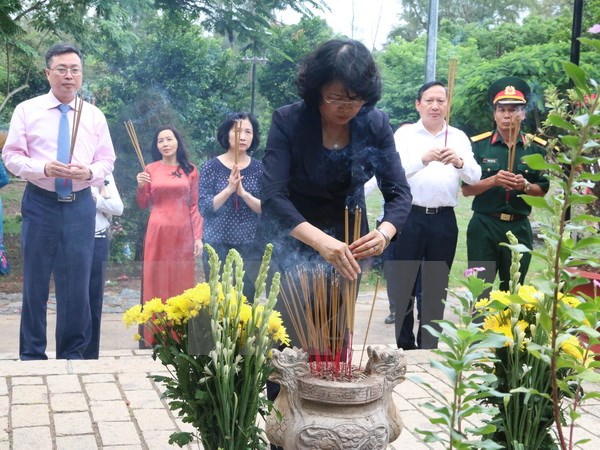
(225, 127)
(183, 158)
(344, 60)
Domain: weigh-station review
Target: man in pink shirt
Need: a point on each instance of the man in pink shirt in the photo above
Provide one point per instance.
(57, 233)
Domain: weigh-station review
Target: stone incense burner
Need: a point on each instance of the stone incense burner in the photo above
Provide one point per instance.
(318, 413)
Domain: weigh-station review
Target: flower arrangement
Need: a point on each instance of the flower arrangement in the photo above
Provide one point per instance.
(532, 380)
(522, 365)
(216, 347)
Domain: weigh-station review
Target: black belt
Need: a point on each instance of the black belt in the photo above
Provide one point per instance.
(507, 217)
(430, 210)
(73, 196)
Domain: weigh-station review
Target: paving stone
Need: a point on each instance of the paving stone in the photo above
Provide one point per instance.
(34, 368)
(72, 423)
(18, 381)
(82, 442)
(27, 394)
(118, 433)
(110, 411)
(144, 399)
(153, 419)
(4, 436)
(29, 416)
(134, 381)
(98, 378)
(98, 392)
(59, 384)
(3, 405)
(121, 447)
(32, 438)
(68, 402)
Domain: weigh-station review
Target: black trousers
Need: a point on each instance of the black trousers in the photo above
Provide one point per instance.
(428, 242)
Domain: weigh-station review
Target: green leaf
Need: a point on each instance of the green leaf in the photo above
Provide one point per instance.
(181, 438)
(570, 141)
(537, 202)
(576, 74)
(537, 162)
(560, 122)
(593, 42)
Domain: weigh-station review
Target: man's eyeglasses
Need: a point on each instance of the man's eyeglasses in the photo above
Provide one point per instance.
(355, 103)
(75, 71)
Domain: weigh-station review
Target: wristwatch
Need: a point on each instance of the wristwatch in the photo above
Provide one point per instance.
(527, 186)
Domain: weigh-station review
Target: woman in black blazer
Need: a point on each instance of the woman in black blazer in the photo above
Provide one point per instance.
(320, 152)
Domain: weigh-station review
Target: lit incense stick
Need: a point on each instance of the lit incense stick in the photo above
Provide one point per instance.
(236, 147)
(134, 140)
(76, 119)
(369, 323)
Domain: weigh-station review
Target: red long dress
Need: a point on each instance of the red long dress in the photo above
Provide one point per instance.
(173, 225)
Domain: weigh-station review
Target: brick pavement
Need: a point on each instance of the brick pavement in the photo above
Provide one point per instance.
(112, 404)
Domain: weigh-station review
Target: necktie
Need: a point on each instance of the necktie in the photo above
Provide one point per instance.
(63, 186)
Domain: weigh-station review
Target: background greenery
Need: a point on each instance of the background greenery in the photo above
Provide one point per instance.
(182, 62)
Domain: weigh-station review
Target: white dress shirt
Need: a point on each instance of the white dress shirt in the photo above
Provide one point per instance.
(435, 184)
(108, 203)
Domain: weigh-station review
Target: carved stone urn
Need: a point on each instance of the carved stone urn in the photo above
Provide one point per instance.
(311, 412)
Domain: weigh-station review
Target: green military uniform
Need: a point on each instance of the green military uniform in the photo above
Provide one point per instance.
(497, 211)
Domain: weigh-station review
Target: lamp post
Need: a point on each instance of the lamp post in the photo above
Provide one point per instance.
(254, 60)
(432, 32)
(576, 30)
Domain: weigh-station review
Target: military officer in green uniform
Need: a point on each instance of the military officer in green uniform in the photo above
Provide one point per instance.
(498, 206)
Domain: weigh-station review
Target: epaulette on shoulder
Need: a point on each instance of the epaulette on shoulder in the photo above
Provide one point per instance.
(536, 139)
(481, 136)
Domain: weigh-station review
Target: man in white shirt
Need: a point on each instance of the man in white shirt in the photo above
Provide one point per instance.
(435, 158)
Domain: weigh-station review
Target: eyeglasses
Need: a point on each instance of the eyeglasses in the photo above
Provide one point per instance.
(355, 103)
(75, 71)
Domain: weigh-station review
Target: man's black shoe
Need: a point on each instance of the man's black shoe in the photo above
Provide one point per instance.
(390, 319)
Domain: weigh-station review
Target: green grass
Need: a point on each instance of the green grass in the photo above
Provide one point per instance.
(463, 215)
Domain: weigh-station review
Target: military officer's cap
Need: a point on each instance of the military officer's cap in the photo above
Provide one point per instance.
(509, 91)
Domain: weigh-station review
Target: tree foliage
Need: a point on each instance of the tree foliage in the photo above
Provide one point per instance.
(286, 47)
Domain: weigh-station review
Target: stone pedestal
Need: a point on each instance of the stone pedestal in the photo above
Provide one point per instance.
(317, 413)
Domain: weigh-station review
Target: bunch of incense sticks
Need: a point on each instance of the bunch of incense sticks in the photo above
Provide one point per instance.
(236, 146)
(136, 143)
(350, 289)
(513, 134)
(318, 316)
(77, 108)
(451, 79)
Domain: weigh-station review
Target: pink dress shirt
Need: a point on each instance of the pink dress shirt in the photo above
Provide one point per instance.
(33, 137)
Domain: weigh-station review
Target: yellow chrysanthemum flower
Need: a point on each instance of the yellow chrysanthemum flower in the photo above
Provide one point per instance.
(573, 347)
(501, 296)
(482, 304)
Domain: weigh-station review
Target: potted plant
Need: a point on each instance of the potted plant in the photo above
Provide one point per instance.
(216, 347)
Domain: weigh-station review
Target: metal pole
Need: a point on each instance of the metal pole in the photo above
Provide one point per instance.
(432, 29)
(576, 30)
